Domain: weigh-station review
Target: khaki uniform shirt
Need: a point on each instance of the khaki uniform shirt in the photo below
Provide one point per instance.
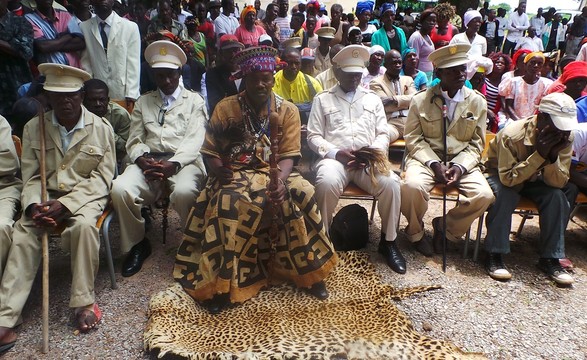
(327, 79)
(465, 132)
(322, 63)
(10, 184)
(512, 155)
(182, 132)
(81, 174)
(336, 123)
(119, 118)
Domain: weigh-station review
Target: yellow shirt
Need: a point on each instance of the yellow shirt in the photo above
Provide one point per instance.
(296, 91)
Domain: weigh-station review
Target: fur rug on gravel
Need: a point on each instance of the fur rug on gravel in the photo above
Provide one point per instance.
(357, 321)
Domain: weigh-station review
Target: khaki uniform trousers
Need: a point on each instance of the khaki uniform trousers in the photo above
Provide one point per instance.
(396, 128)
(332, 178)
(8, 207)
(475, 197)
(130, 191)
(80, 238)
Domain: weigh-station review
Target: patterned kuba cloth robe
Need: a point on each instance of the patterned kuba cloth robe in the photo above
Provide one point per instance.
(226, 246)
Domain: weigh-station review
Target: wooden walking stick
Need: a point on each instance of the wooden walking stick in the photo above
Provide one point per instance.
(274, 180)
(444, 109)
(45, 235)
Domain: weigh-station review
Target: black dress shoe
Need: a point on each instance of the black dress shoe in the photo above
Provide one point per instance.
(135, 258)
(318, 290)
(216, 304)
(393, 256)
(424, 247)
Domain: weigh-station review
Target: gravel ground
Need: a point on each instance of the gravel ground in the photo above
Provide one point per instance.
(525, 318)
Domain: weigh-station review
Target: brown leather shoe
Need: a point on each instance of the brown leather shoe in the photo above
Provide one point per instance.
(7, 339)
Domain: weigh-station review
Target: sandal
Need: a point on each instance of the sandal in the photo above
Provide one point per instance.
(87, 318)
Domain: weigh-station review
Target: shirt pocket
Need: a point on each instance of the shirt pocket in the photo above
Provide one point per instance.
(369, 118)
(87, 159)
(466, 126)
(334, 118)
(432, 126)
(50, 154)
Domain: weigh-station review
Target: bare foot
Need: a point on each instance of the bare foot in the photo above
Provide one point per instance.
(87, 317)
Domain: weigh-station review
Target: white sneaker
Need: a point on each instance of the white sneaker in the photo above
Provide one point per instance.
(496, 269)
(555, 271)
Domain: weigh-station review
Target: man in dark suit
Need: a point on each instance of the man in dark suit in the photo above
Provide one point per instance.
(218, 82)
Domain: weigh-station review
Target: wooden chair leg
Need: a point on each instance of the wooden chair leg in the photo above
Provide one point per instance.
(525, 215)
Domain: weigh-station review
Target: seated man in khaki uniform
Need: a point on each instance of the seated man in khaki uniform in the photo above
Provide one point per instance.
(166, 133)
(80, 163)
(532, 158)
(465, 115)
(98, 101)
(10, 188)
(396, 92)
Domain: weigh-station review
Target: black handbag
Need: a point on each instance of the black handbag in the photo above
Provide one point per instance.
(350, 228)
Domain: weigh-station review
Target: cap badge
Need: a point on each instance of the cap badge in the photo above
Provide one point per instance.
(452, 50)
(355, 53)
(163, 51)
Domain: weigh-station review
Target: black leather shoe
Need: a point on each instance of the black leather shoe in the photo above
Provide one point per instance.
(318, 290)
(135, 258)
(393, 256)
(424, 247)
(216, 304)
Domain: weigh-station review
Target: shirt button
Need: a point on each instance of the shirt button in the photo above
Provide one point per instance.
(62, 167)
(61, 186)
(91, 151)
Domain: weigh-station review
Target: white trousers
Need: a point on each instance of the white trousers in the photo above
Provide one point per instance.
(331, 179)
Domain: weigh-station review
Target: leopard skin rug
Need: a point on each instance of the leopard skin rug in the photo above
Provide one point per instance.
(358, 321)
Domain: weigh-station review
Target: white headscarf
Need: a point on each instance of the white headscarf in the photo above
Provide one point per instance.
(470, 15)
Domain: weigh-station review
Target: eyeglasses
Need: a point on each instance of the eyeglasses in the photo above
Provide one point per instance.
(161, 117)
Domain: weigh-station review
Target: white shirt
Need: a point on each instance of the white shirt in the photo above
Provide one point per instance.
(537, 23)
(580, 145)
(478, 46)
(520, 22)
(284, 30)
(532, 44)
(168, 100)
(225, 25)
(67, 136)
(336, 122)
(451, 103)
(503, 25)
(367, 77)
(108, 22)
